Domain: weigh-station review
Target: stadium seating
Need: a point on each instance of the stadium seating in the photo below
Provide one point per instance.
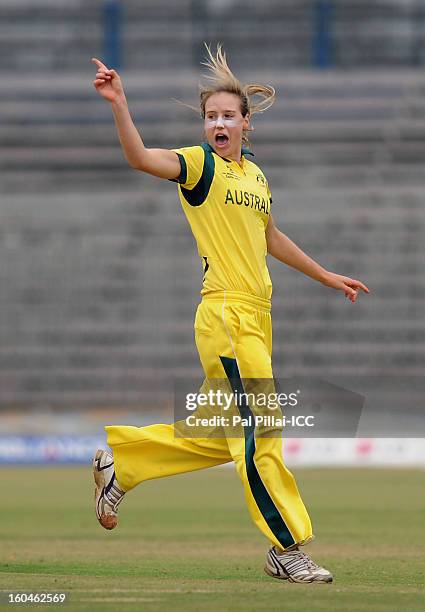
(99, 275)
(59, 35)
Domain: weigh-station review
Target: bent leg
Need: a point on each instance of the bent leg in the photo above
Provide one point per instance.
(144, 453)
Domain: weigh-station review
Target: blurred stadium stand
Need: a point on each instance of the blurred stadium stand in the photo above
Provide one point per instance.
(60, 34)
(99, 276)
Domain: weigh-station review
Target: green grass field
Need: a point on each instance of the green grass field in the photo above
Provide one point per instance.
(187, 543)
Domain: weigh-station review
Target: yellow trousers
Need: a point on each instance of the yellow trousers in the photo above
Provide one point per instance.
(233, 335)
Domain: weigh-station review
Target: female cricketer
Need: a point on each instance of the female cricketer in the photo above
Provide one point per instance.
(227, 201)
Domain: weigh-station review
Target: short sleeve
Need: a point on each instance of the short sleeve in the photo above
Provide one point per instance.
(191, 165)
(269, 193)
(266, 183)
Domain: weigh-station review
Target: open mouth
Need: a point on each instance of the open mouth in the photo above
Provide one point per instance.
(221, 140)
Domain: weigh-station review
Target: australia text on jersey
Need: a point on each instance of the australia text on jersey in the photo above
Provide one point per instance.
(248, 199)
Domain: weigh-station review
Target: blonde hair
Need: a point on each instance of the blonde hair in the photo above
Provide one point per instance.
(221, 78)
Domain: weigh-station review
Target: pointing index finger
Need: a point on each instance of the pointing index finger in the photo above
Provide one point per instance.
(98, 63)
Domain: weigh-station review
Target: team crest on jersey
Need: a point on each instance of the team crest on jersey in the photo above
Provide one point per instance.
(261, 180)
(229, 173)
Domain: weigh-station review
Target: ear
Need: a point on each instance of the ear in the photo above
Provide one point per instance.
(246, 122)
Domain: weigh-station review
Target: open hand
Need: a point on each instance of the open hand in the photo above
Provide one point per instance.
(108, 83)
(348, 285)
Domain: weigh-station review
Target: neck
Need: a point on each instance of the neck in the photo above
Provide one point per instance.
(234, 155)
(238, 156)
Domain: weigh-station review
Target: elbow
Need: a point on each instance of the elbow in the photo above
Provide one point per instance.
(136, 164)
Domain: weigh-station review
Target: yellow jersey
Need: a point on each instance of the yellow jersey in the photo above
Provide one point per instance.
(228, 207)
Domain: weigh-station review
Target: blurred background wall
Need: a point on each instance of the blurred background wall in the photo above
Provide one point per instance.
(99, 276)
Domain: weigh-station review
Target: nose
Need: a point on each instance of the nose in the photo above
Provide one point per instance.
(220, 122)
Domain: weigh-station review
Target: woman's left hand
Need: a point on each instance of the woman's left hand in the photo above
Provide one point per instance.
(343, 283)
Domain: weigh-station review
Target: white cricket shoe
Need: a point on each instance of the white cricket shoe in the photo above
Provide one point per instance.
(107, 494)
(295, 566)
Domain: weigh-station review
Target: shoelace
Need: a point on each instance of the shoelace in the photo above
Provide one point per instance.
(308, 561)
(298, 560)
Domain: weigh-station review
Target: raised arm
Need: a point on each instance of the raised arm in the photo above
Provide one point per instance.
(286, 251)
(159, 162)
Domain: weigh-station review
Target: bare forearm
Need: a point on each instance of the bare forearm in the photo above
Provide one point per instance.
(286, 251)
(159, 162)
(131, 141)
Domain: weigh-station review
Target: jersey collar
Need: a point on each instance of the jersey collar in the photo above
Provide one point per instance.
(246, 151)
